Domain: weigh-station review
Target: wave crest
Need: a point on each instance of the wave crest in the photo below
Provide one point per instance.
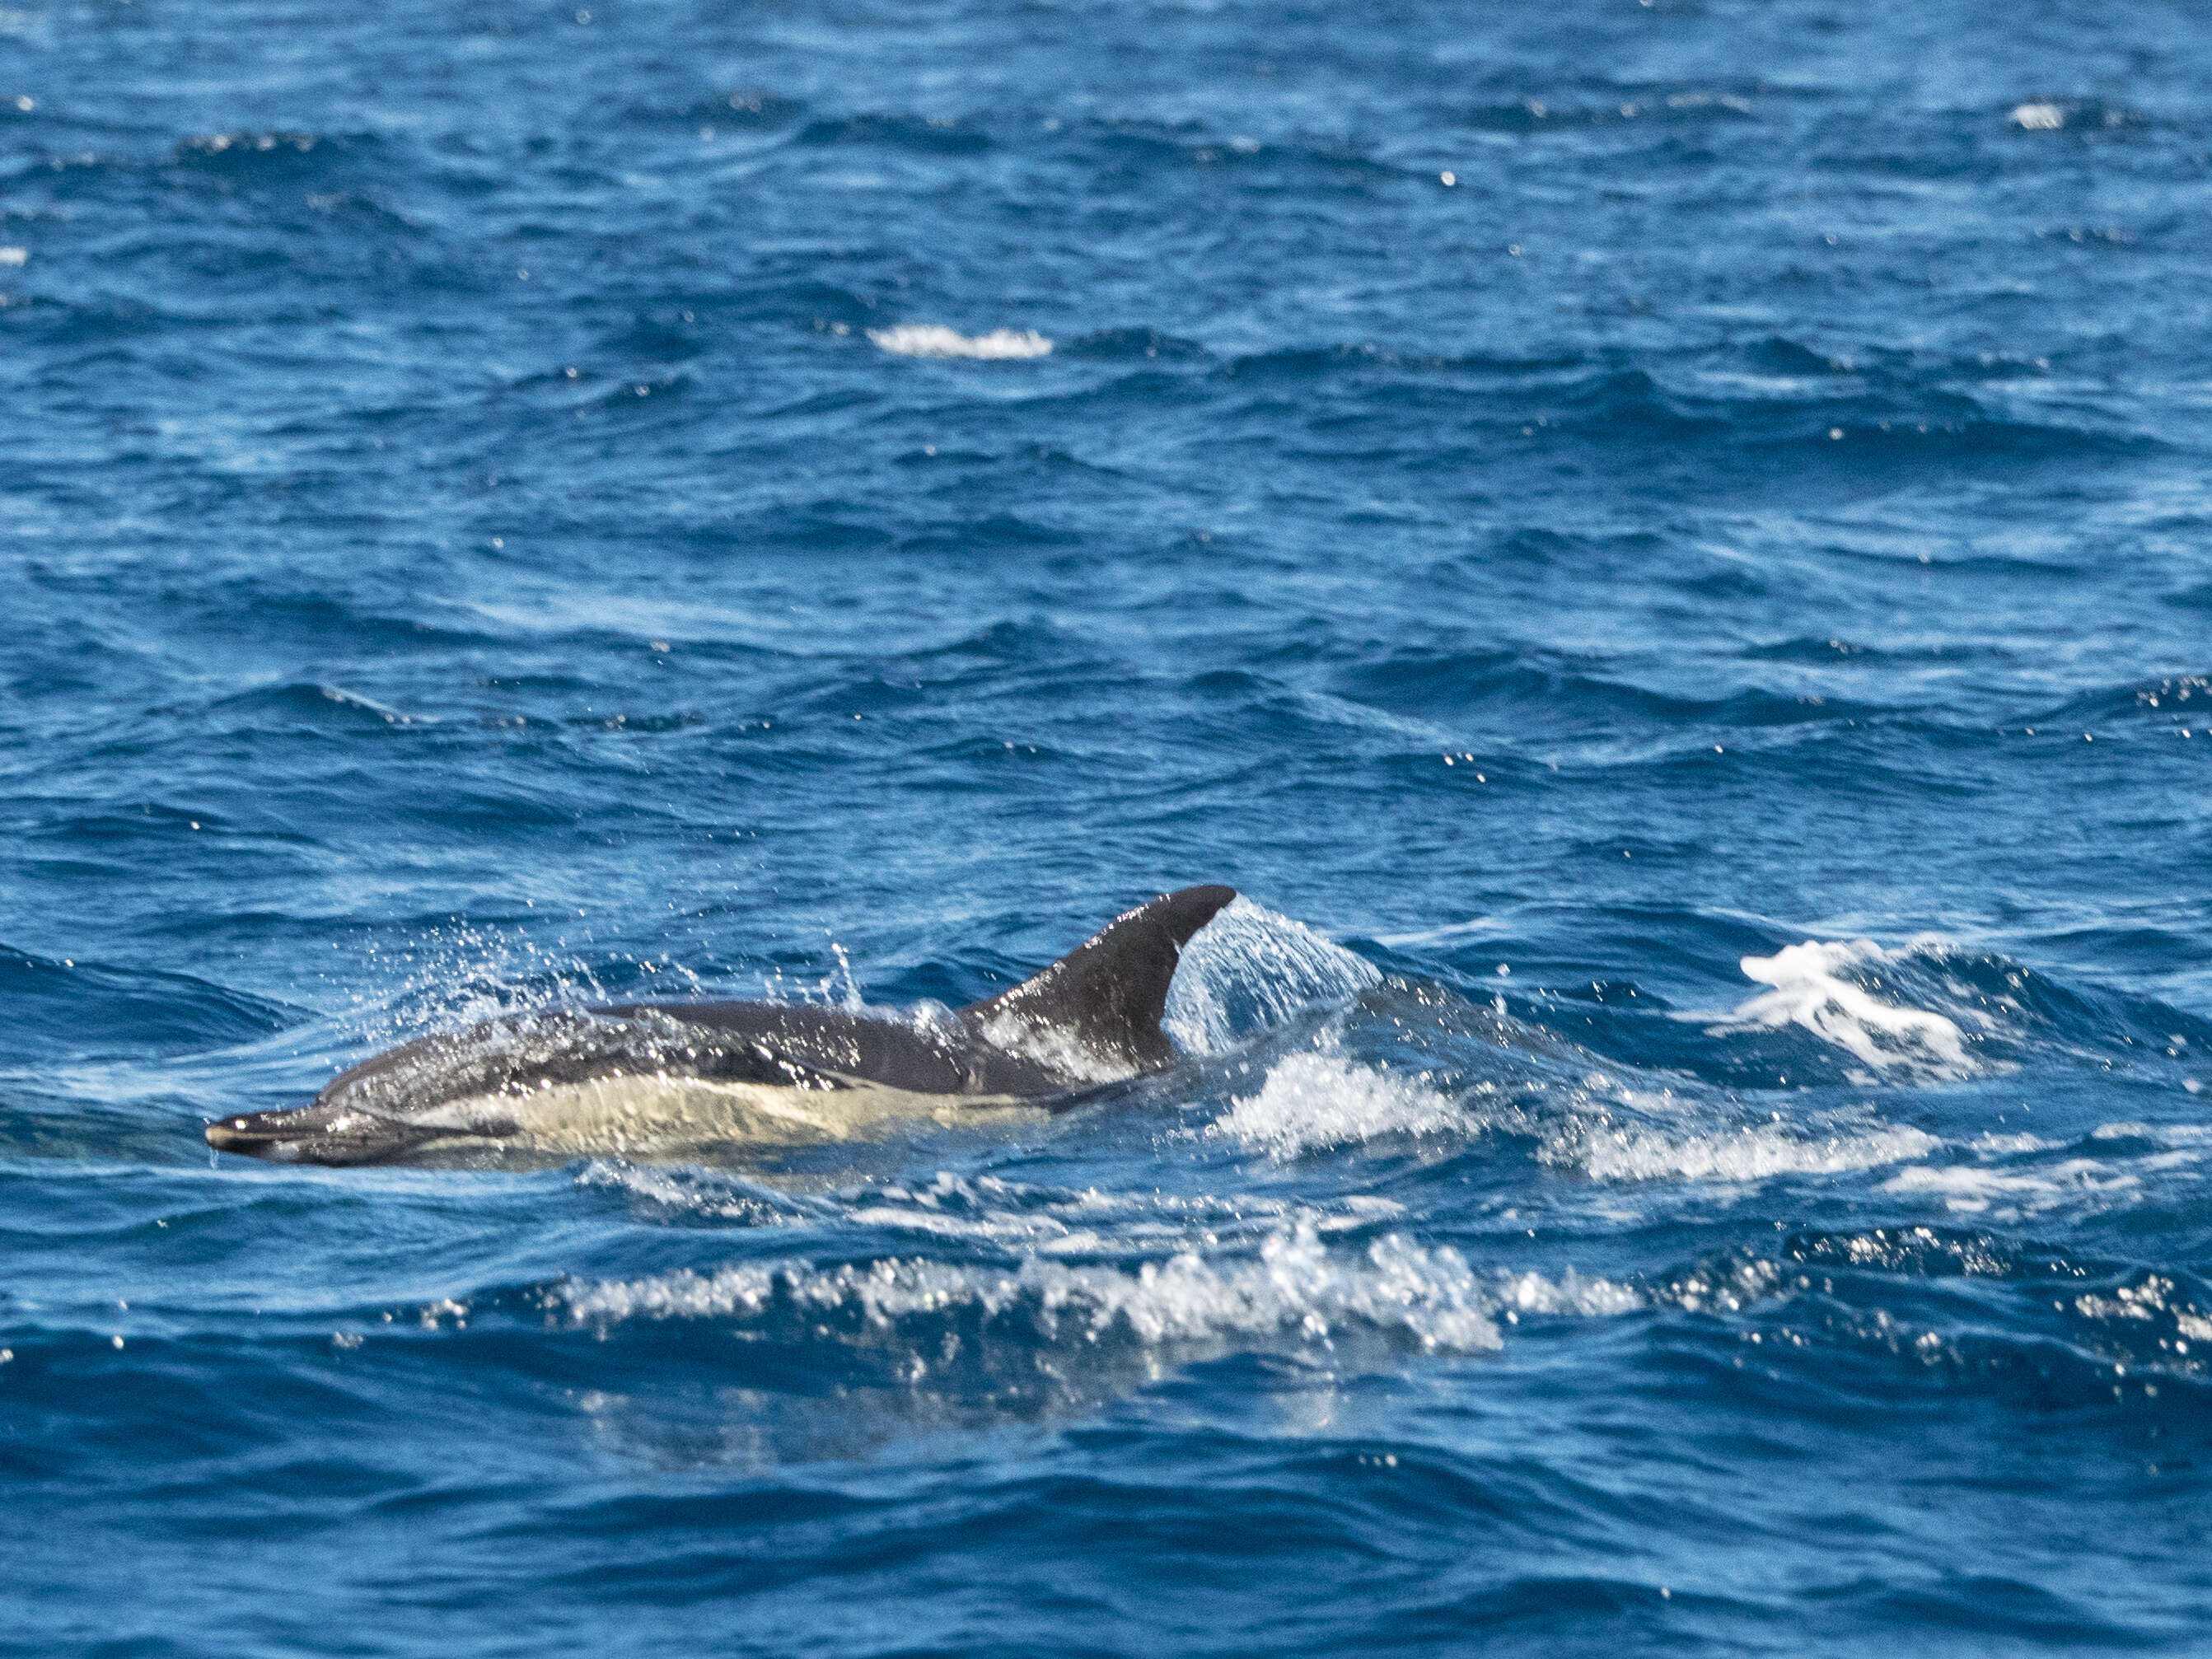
(1747, 1153)
(935, 340)
(1313, 1101)
(1292, 1286)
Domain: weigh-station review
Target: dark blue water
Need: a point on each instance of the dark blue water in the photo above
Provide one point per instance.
(1665, 546)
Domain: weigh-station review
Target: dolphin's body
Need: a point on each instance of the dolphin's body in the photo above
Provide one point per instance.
(719, 1079)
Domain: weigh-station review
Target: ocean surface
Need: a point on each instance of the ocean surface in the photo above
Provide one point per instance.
(1664, 546)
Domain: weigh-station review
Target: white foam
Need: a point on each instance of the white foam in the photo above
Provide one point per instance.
(1570, 1293)
(1996, 1146)
(2012, 1189)
(1970, 1189)
(1725, 1287)
(1310, 1101)
(1293, 1285)
(1811, 989)
(1752, 1152)
(1251, 970)
(2163, 1135)
(935, 340)
(2153, 1297)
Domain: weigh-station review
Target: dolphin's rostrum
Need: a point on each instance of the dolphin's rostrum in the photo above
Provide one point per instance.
(678, 1080)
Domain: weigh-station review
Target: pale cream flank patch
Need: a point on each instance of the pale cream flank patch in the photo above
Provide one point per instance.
(659, 1117)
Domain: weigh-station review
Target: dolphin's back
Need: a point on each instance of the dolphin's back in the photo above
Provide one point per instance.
(808, 1047)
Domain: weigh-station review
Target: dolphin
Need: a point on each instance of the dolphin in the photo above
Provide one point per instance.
(678, 1081)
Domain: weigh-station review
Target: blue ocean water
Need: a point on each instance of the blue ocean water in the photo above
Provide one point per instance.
(1663, 546)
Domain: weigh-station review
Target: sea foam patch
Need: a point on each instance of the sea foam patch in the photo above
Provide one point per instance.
(1818, 985)
(1972, 1189)
(1751, 1153)
(1311, 1101)
(935, 340)
(2016, 1175)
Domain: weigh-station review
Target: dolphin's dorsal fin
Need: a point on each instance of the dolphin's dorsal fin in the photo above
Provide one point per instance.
(1109, 992)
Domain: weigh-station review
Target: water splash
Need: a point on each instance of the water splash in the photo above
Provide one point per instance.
(1310, 1102)
(1251, 970)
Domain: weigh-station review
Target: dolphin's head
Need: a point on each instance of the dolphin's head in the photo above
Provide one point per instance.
(324, 1133)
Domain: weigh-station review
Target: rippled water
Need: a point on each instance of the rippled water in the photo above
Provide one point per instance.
(1663, 546)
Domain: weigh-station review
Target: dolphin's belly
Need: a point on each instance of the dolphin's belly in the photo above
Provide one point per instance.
(654, 1117)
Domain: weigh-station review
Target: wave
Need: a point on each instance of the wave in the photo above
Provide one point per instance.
(1438, 684)
(2017, 1175)
(1823, 652)
(650, 390)
(1691, 107)
(998, 530)
(1132, 146)
(1742, 1153)
(1407, 1060)
(651, 339)
(2173, 700)
(1967, 1190)
(1134, 345)
(1782, 356)
(990, 1210)
(98, 319)
(1292, 1287)
(918, 134)
(826, 307)
(1862, 421)
(685, 1193)
(1862, 406)
(745, 109)
(322, 705)
(273, 158)
(1305, 363)
(53, 1007)
(1919, 1300)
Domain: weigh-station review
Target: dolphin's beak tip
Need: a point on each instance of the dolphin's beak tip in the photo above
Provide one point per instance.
(230, 1134)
